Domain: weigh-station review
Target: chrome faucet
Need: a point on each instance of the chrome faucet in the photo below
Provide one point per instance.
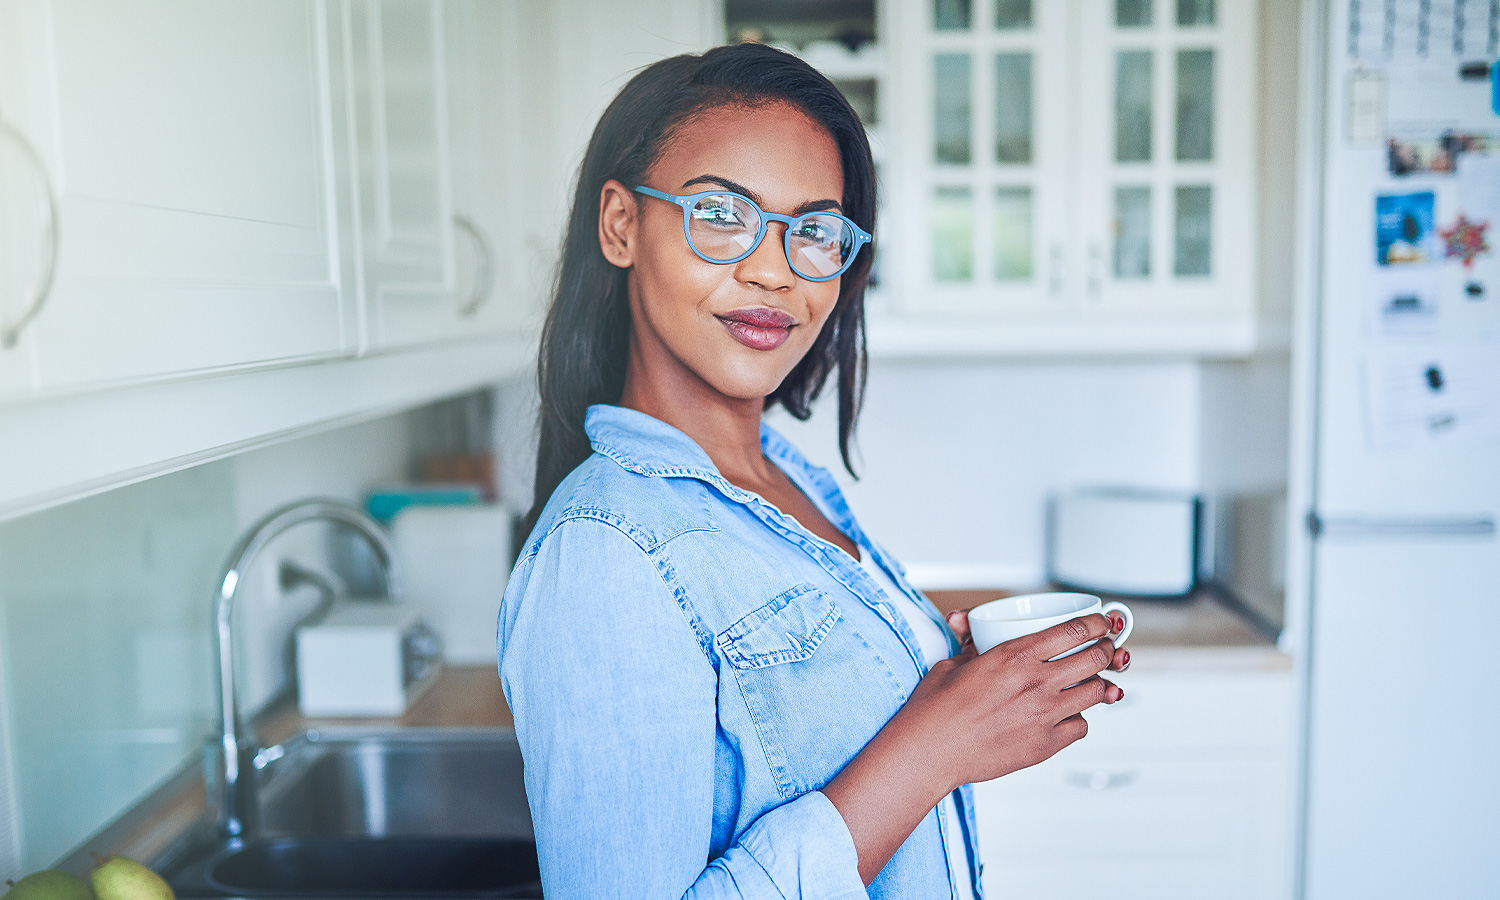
(237, 795)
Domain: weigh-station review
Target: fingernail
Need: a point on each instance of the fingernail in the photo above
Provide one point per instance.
(1121, 695)
(1126, 661)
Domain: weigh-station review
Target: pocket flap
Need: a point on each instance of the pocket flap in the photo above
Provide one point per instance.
(787, 629)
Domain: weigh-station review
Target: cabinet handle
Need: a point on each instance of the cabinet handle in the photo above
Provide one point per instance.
(1096, 269)
(11, 332)
(1101, 779)
(484, 269)
(1055, 269)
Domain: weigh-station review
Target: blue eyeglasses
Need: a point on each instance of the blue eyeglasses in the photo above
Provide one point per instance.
(725, 227)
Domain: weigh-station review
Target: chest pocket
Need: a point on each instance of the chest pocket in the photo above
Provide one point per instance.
(787, 629)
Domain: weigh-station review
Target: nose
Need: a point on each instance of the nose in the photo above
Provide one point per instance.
(767, 267)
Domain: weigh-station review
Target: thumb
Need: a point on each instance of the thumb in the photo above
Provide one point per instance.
(958, 620)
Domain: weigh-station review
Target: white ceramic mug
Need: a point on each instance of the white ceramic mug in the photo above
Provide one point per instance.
(1011, 617)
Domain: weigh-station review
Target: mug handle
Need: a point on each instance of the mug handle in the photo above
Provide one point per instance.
(1124, 611)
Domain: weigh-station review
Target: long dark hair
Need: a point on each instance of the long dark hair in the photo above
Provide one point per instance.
(586, 339)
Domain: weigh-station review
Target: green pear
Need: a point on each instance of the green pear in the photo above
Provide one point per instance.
(53, 884)
(122, 878)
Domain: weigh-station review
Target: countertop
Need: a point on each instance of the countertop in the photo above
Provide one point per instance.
(1202, 631)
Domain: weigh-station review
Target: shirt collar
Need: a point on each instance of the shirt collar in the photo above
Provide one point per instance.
(649, 446)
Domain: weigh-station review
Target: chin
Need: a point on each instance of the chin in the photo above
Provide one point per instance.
(753, 379)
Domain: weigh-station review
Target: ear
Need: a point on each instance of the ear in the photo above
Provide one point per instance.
(617, 223)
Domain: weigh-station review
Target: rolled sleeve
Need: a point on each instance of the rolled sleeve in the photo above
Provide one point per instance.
(615, 705)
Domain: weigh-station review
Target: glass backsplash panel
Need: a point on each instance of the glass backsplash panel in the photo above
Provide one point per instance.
(1195, 12)
(105, 642)
(1132, 13)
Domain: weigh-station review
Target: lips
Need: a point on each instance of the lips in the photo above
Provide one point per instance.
(759, 328)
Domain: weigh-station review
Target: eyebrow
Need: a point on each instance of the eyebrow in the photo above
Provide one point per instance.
(809, 206)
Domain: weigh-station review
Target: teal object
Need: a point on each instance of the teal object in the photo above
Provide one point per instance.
(384, 505)
(1495, 88)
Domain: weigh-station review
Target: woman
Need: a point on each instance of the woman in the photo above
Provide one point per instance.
(721, 685)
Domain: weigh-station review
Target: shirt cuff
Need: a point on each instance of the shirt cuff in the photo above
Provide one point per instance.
(806, 850)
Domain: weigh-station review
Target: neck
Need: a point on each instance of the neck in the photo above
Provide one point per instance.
(726, 428)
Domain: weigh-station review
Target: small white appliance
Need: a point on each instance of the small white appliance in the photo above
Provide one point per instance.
(1125, 541)
(365, 658)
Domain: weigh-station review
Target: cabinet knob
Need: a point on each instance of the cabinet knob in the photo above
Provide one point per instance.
(10, 332)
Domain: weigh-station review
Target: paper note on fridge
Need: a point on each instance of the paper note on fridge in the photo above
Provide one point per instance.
(1418, 396)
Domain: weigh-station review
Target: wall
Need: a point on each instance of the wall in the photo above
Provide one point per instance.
(105, 647)
(956, 458)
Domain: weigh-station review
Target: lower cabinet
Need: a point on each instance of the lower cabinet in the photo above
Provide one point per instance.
(1183, 790)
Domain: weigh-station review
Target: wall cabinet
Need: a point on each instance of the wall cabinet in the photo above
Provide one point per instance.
(1072, 175)
(1179, 791)
(190, 151)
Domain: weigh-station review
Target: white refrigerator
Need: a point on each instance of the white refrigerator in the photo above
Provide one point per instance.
(1402, 770)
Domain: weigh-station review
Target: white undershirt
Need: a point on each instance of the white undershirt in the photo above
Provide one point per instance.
(934, 646)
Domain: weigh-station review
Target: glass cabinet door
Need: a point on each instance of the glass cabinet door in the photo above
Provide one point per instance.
(988, 208)
(1166, 152)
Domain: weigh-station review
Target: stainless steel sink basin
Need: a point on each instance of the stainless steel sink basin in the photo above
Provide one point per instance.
(357, 813)
(432, 782)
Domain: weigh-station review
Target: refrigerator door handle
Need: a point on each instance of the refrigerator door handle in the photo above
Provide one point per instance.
(1358, 526)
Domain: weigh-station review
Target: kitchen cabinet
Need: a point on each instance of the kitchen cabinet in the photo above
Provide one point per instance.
(492, 107)
(190, 151)
(1071, 176)
(394, 59)
(1181, 791)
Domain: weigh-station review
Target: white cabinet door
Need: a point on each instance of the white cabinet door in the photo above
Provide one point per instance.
(496, 290)
(1072, 176)
(398, 88)
(190, 146)
(983, 127)
(1167, 155)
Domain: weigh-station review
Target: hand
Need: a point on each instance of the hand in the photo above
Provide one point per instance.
(987, 715)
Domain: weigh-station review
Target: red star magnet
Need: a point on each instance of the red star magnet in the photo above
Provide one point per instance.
(1464, 240)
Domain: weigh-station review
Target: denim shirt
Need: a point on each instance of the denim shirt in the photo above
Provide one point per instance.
(688, 666)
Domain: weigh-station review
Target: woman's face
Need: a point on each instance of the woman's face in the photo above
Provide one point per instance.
(737, 329)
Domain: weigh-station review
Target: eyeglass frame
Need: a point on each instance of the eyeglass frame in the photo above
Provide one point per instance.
(688, 201)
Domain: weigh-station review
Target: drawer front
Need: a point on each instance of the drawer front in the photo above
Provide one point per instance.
(1234, 712)
(1136, 826)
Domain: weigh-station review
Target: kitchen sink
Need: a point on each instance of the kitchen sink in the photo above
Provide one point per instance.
(427, 782)
(416, 813)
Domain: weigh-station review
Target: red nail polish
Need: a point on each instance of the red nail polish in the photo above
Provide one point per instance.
(1126, 660)
(1122, 694)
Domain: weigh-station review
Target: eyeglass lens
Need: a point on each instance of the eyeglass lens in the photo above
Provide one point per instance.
(723, 227)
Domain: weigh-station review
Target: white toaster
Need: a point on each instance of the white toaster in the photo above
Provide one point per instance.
(1125, 541)
(365, 658)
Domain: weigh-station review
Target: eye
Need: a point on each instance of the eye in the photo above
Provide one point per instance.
(819, 230)
(719, 210)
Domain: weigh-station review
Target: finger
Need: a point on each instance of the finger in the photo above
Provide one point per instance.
(1085, 694)
(958, 621)
(1087, 662)
(1121, 661)
(1072, 728)
(1061, 638)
